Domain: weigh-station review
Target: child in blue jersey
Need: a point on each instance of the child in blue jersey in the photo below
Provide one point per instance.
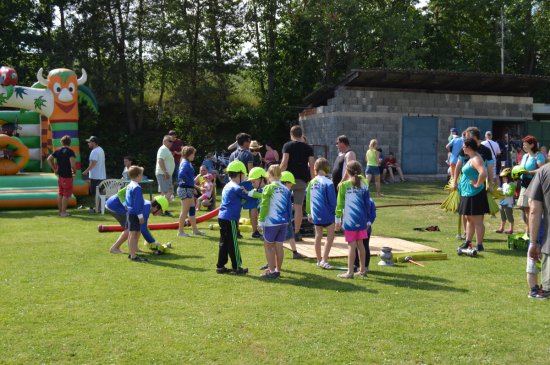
(115, 206)
(352, 214)
(275, 211)
(186, 191)
(256, 180)
(134, 203)
(320, 207)
(228, 217)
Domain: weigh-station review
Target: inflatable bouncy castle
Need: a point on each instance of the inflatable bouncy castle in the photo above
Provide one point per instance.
(48, 111)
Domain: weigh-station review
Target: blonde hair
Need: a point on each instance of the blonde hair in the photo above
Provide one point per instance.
(322, 164)
(354, 170)
(187, 151)
(135, 171)
(274, 171)
(373, 143)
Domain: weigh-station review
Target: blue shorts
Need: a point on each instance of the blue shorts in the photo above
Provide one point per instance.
(276, 233)
(372, 170)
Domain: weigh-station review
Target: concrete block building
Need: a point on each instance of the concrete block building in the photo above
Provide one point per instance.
(410, 113)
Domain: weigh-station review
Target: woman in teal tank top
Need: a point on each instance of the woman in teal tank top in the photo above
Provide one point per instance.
(473, 196)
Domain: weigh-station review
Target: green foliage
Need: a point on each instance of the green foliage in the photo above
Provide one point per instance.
(212, 68)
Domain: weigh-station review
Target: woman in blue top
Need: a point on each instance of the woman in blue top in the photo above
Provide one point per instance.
(473, 196)
(186, 191)
(531, 161)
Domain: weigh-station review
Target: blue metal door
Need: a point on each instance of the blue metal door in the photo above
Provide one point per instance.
(483, 125)
(419, 154)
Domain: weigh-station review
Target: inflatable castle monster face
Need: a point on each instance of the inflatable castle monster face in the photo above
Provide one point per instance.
(63, 85)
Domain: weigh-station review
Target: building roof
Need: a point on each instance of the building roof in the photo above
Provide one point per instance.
(434, 82)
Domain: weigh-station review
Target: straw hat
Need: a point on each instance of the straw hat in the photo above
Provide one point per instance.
(254, 145)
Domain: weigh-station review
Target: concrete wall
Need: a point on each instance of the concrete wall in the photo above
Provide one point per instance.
(364, 114)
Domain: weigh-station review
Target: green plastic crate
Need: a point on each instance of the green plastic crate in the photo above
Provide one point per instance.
(516, 242)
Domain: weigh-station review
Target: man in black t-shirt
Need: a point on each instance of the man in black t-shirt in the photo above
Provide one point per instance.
(66, 165)
(298, 159)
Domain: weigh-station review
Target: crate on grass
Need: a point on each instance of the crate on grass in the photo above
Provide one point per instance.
(517, 242)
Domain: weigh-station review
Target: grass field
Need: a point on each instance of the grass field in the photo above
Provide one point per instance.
(65, 299)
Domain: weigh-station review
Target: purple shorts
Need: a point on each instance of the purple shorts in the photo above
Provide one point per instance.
(276, 233)
(356, 235)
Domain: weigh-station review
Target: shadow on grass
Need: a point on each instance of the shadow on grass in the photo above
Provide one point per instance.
(313, 281)
(163, 260)
(506, 252)
(414, 281)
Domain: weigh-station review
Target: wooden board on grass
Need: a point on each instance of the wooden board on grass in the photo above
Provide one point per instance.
(340, 247)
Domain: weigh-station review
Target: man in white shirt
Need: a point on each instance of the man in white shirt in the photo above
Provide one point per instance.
(495, 151)
(164, 168)
(96, 169)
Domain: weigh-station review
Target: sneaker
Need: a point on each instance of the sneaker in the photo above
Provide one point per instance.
(239, 236)
(460, 237)
(537, 293)
(199, 233)
(298, 237)
(480, 247)
(264, 267)
(271, 275)
(239, 271)
(222, 270)
(325, 265)
(466, 245)
(137, 258)
(345, 275)
(256, 235)
(183, 234)
(297, 256)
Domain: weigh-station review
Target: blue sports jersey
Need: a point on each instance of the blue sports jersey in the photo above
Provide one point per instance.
(134, 199)
(456, 146)
(232, 197)
(321, 200)
(250, 204)
(353, 206)
(276, 206)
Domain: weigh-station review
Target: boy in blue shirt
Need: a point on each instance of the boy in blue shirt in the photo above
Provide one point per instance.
(115, 206)
(134, 203)
(228, 217)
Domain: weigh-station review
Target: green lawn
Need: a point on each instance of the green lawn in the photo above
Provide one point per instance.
(65, 299)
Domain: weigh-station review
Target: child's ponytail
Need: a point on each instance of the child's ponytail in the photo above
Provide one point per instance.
(354, 170)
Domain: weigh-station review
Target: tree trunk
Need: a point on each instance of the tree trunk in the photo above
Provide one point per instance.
(259, 48)
(141, 68)
(271, 38)
(120, 46)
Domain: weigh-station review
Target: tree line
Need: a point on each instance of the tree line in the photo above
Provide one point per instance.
(212, 68)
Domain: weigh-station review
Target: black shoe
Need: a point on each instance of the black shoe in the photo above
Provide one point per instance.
(256, 235)
(222, 270)
(298, 237)
(137, 258)
(240, 271)
(264, 267)
(167, 214)
(271, 275)
(297, 256)
(480, 247)
(466, 245)
(239, 236)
